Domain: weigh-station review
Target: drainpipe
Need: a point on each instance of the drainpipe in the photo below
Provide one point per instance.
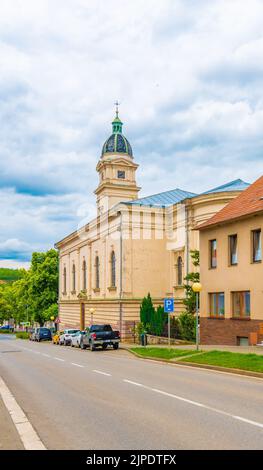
(187, 240)
(121, 292)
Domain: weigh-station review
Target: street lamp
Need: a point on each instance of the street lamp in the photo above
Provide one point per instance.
(197, 287)
(91, 310)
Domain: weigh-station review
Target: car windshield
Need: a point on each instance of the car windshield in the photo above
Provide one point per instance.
(44, 330)
(101, 328)
(71, 332)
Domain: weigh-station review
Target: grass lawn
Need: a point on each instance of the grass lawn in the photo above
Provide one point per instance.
(253, 362)
(162, 353)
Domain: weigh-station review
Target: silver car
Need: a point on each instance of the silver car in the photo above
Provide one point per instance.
(76, 339)
(66, 337)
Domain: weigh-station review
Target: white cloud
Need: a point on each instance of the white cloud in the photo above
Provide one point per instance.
(188, 75)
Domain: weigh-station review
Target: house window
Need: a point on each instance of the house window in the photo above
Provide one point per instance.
(179, 271)
(84, 269)
(217, 304)
(213, 254)
(241, 304)
(113, 269)
(97, 272)
(65, 280)
(121, 174)
(73, 278)
(256, 246)
(232, 250)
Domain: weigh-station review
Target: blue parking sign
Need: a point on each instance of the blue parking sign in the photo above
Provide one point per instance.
(168, 305)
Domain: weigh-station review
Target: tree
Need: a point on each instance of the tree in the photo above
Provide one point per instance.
(146, 311)
(34, 296)
(187, 326)
(190, 295)
(43, 284)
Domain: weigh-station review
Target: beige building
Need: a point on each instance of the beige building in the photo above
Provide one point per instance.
(133, 246)
(231, 270)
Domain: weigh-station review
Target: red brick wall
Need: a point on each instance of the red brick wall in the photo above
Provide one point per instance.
(217, 331)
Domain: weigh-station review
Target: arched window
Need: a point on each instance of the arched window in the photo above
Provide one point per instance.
(73, 278)
(97, 272)
(179, 271)
(64, 280)
(84, 269)
(113, 269)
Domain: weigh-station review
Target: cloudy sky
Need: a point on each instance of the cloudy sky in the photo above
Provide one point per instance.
(188, 74)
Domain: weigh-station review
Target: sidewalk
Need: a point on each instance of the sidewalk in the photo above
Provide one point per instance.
(203, 347)
(9, 438)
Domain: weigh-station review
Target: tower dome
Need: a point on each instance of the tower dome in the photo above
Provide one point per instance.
(117, 143)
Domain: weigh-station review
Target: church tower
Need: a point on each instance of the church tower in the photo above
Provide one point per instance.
(116, 170)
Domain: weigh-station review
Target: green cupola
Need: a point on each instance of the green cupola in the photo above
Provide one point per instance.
(117, 142)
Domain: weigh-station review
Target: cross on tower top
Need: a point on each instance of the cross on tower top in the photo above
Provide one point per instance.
(117, 104)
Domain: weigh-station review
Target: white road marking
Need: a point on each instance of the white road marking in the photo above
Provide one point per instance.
(254, 423)
(77, 365)
(102, 373)
(59, 359)
(46, 355)
(196, 403)
(134, 383)
(28, 435)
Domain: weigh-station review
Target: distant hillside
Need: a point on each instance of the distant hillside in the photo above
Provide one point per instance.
(9, 275)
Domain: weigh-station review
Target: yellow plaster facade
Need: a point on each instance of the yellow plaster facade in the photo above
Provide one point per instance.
(244, 276)
(128, 250)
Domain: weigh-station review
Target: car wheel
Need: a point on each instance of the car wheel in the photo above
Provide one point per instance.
(92, 346)
(104, 346)
(65, 343)
(116, 346)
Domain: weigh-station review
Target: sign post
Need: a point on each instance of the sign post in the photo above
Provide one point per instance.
(168, 305)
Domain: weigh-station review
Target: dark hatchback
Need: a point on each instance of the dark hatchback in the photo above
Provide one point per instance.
(42, 334)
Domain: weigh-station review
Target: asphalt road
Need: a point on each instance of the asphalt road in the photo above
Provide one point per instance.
(111, 400)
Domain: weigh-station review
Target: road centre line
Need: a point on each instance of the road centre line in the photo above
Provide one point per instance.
(134, 383)
(77, 365)
(46, 355)
(100, 372)
(59, 359)
(198, 404)
(28, 436)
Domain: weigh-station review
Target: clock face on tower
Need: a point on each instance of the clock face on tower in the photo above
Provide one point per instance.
(121, 174)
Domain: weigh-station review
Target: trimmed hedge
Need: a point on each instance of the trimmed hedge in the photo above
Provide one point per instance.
(22, 335)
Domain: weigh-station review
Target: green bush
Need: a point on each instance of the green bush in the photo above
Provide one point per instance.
(22, 335)
(6, 332)
(187, 326)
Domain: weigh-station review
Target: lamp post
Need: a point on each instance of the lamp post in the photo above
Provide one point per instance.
(197, 287)
(91, 310)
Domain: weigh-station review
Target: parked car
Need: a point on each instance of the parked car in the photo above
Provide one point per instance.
(56, 337)
(76, 338)
(65, 338)
(100, 335)
(41, 334)
(32, 335)
(7, 327)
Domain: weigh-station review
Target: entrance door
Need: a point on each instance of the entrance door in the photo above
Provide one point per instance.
(82, 316)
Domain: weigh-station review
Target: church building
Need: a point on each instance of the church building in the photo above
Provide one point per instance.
(133, 246)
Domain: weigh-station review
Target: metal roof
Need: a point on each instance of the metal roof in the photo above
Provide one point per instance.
(235, 185)
(168, 198)
(165, 199)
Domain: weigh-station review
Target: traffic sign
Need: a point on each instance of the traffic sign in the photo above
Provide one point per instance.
(168, 304)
